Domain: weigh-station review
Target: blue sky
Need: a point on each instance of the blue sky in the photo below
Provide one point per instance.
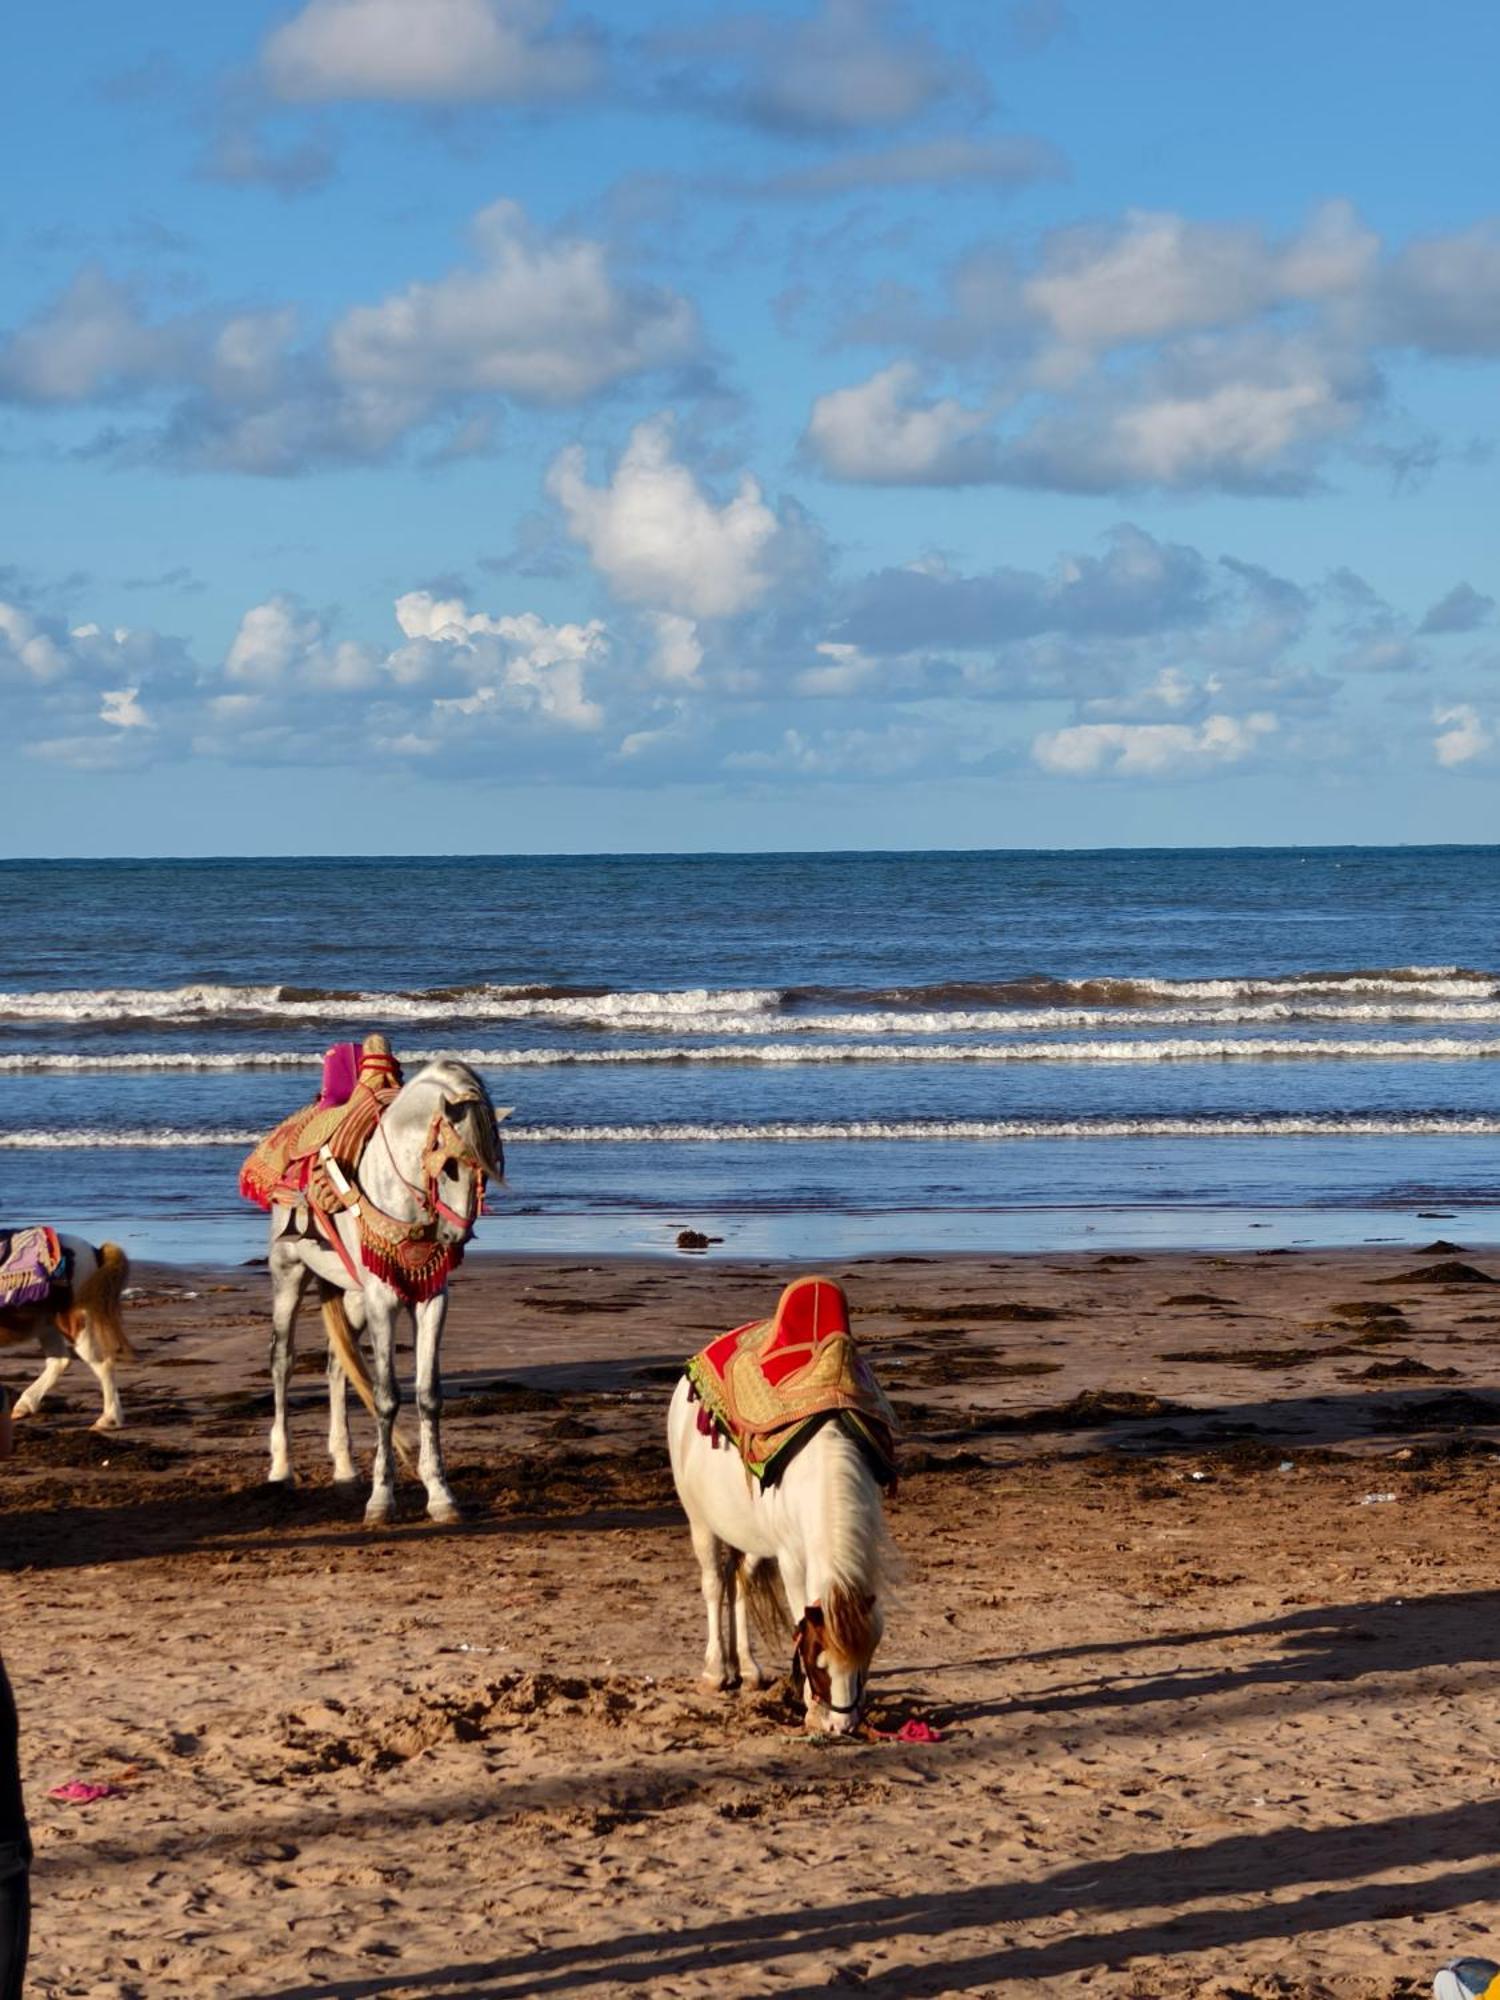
(453, 425)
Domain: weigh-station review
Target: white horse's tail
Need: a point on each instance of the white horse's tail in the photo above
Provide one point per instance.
(766, 1599)
(96, 1302)
(346, 1347)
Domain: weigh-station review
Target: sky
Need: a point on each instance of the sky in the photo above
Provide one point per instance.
(443, 426)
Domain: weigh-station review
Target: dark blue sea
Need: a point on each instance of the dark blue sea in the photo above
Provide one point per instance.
(816, 1054)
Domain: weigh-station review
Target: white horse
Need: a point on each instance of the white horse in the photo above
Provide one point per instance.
(815, 1540)
(421, 1177)
(81, 1316)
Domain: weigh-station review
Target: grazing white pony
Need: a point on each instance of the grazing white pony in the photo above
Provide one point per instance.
(80, 1316)
(811, 1546)
(419, 1185)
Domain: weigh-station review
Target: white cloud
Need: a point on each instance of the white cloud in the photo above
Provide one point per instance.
(1155, 274)
(878, 433)
(428, 52)
(1464, 735)
(533, 318)
(659, 539)
(540, 319)
(518, 662)
(678, 652)
(1151, 749)
(122, 709)
(846, 66)
(278, 643)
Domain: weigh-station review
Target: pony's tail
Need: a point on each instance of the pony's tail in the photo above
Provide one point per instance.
(346, 1347)
(96, 1303)
(766, 1599)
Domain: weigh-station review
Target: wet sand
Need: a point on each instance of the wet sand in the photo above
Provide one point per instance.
(1200, 1590)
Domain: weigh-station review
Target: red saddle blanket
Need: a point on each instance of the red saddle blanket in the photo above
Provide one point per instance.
(283, 1168)
(30, 1260)
(769, 1384)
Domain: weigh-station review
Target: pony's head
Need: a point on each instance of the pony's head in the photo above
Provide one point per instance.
(836, 1642)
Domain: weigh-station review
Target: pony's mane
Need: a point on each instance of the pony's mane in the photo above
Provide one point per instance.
(861, 1560)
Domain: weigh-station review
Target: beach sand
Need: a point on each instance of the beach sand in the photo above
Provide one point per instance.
(1200, 1561)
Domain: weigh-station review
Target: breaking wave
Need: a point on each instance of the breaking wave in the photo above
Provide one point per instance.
(775, 1131)
(1399, 993)
(1441, 1048)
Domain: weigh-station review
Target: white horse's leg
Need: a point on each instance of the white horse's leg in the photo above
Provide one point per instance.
(382, 1319)
(441, 1505)
(112, 1416)
(721, 1666)
(752, 1672)
(289, 1277)
(58, 1354)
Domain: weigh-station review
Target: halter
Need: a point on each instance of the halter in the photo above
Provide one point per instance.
(807, 1671)
(444, 1145)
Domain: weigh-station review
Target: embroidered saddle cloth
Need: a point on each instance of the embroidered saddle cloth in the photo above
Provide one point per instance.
(769, 1385)
(30, 1260)
(284, 1168)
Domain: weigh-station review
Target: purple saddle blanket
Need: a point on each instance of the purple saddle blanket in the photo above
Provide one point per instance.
(30, 1260)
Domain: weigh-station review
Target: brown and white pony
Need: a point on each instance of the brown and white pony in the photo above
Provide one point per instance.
(80, 1315)
(812, 1548)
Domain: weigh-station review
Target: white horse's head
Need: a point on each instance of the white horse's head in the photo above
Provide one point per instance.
(459, 1143)
(836, 1642)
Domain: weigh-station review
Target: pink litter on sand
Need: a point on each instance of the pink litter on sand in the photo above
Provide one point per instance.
(77, 1792)
(913, 1730)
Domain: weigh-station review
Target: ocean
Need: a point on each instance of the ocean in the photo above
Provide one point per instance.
(811, 1054)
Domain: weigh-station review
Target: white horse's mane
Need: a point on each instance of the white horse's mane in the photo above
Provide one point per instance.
(860, 1554)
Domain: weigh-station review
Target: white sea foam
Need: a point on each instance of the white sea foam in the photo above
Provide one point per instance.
(1404, 992)
(1440, 1048)
(1334, 1126)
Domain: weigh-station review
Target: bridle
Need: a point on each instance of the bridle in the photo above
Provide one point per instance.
(445, 1146)
(809, 1672)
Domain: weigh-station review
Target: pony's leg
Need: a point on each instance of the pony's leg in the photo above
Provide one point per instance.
(752, 1672)
(112, 1416)
(441, 1505)
(58, 1354)
(381, 1314)
(289, 1278)
(721, 1665)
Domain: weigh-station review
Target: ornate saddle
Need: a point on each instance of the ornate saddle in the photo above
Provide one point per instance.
(30, 1263)
(769, 1385)
(287, 1168)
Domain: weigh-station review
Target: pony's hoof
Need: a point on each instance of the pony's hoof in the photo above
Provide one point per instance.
(444, 1512)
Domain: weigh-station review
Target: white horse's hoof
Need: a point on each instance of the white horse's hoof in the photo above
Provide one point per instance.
(717, 1683)
(107, 1424)
(756, 1678)
(285, 1477)
(377, 1513)
(444, 1512)
(20, 1411)
(348, 1477)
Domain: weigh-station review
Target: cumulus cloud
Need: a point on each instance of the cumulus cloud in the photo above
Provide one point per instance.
(1157, 350)
(429, 52)
(1151, 749)
(541, 319)
(1463, 737)
(1139, 585)
(534, 319)
(881, 433)
(1464, 609)
(658, 539)
(846, 66)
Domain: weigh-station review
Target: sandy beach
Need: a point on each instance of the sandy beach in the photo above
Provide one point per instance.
(1199, 1591)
